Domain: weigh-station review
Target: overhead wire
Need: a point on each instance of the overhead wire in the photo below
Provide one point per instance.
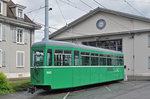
(81, 10)
(86, 4)
(99, 4)
(49, 26)
(41, 7)
(73, 6)
(133, 7)
(61, 12)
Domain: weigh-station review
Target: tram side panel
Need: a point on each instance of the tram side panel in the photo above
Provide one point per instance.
(62, 78)
(95, 75)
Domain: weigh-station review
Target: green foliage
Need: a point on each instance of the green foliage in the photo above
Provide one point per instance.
(4, 85)
(21, 85)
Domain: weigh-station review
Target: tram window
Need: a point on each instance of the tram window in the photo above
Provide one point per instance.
(115, 60)
(94, 59)
(67, 58)
(120, 61)
(49, 57)
(102, 60)
(38, 57)
(85, 59)
(58, 58)
(76, 58)
(109, 60)
(63, 58)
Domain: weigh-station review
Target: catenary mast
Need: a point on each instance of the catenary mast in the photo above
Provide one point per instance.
(46, 32)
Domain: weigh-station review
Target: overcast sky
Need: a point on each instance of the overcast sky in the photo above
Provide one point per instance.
(69, 13)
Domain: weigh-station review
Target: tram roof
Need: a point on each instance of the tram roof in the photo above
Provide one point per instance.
(67, 44)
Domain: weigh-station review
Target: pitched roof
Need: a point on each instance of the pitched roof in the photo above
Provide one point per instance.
(95, 11)
(11, 15)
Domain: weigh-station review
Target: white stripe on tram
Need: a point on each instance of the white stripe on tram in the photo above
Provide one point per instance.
(73, 66)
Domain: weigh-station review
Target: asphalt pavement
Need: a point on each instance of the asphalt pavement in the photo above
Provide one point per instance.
(115, 90)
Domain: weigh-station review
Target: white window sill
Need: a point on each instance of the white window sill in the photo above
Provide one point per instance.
(19, 66)
(20, 43)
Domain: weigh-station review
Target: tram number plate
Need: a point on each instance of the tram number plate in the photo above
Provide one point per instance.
(49, 72)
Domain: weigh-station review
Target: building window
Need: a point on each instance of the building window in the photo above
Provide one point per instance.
(20, 59)
(1, 7)
(107, 44)
(20, 13)
(19, 35)
(2, 58)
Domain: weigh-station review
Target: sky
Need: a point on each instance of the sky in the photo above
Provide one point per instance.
(66, 11)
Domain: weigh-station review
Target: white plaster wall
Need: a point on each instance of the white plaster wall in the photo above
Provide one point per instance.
(114, 23)
(10, 47)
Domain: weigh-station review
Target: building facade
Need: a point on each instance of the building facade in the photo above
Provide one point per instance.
(16, 38)
(113, 30)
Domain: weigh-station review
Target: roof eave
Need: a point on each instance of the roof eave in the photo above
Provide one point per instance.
(19, 23)
(106, 34)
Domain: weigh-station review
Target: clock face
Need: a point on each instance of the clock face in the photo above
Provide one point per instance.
(101, 24)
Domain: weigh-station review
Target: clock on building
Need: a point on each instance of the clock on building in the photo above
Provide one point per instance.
(101, 23)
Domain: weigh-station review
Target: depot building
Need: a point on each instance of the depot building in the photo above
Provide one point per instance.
(113, 30)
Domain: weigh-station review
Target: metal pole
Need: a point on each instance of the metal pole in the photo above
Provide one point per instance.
(46, 36)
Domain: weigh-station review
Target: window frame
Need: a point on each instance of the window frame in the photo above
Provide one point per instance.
(85, 54)
(33, 56)
(51, 59)
(19, 35)
(78, 52)
(23, 59)
(103, 56)
(17, 12)
(62, 54)
(95, 55)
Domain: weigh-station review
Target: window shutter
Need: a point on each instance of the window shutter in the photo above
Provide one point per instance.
(25, 36)
(14, 35)
(20, 59)
(0, 32)
(3, 58)
(0, 58)
(3, 33)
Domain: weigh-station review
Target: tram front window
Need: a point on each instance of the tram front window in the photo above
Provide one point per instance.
(38, 57)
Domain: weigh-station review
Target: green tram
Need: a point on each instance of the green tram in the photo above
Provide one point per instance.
(58, 65)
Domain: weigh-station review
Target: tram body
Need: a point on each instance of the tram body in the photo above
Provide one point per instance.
(58, 65)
